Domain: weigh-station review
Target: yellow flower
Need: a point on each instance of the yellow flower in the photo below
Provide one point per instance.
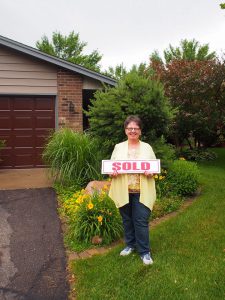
(90, 205)
(86, 196)
(105, 187)
(80, 199)
(103, 193)
(156, 176)
(100, 218)
(182, 158)
(160, 177)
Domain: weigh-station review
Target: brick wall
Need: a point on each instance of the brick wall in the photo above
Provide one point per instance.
(69, 86)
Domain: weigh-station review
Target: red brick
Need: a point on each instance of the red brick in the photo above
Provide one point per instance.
(70, 89)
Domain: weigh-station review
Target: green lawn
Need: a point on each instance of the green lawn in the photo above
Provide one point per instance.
(188, 253)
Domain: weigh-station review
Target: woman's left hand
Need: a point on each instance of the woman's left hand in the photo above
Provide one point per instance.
(148, 174)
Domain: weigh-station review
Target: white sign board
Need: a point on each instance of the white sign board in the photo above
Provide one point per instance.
(131, 166)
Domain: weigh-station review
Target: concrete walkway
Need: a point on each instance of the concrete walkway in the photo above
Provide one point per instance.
(24, 179)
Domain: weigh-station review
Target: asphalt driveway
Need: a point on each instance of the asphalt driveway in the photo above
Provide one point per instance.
(32, 255)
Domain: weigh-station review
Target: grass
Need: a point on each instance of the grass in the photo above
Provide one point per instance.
(188, 253)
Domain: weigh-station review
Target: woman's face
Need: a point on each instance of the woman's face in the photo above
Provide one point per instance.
(133, 131)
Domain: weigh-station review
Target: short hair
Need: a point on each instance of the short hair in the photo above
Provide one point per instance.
(134, 119)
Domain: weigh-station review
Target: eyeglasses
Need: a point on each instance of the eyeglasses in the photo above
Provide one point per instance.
(132, 129)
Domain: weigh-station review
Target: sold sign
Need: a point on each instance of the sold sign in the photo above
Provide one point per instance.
(131, 166)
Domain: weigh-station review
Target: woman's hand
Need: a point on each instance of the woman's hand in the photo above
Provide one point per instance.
(148, 174)
(114, 174)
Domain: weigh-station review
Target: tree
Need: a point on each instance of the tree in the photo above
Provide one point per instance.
(116, 72)
(134, 95)
(119, 71)
(196, 90)
(188, 50)
(71, 49)
(193, 79)
(222, 5)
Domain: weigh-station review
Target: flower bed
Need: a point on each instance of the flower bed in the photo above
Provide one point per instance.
(93, 218)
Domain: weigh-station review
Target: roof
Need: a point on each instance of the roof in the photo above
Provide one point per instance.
(55, 60)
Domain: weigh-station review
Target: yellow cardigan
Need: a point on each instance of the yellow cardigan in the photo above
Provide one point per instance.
(119, 186)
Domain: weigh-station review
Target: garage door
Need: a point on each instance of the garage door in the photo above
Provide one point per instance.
(25, 122)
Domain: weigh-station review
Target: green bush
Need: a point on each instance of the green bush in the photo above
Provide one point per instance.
(183, 177)
(74, 158)
(198, 154)
(164, 206)
(164, 151)
(134, 95)
(91, 216)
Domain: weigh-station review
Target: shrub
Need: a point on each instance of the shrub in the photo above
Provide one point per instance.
(164, 151)
(183, 177)
(164, 206)
(74, 158)
(198, 154)
(92, 215)
(134, 95)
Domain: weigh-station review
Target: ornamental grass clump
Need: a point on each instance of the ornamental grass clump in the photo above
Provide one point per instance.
(183, 177)
(91, 216)
(73, 157)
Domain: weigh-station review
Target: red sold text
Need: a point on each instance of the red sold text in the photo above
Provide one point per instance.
(135, 166)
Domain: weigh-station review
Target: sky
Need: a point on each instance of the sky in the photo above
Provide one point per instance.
(123, 31)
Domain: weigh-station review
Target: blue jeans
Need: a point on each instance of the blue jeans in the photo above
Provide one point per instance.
(135, 216)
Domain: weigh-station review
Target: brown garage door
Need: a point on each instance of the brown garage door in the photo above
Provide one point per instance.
(25, 123)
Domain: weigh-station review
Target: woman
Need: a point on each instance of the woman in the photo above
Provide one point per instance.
(134, 194)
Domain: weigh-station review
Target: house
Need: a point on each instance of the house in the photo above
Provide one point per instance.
(39, 93)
